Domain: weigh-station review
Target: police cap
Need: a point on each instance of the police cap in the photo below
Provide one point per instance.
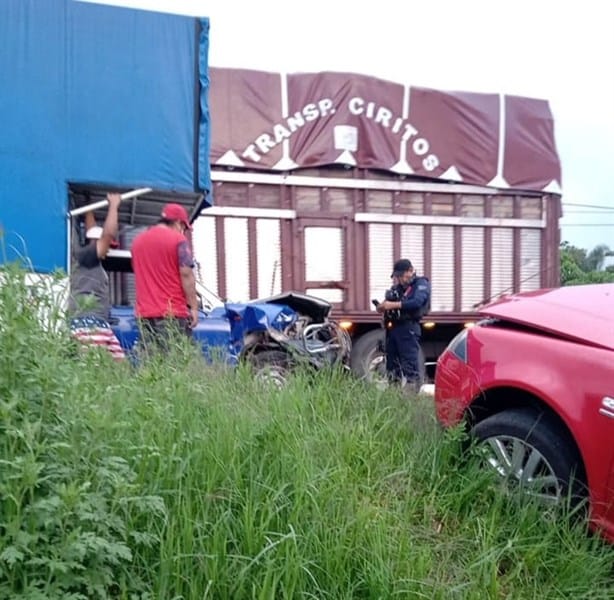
(401, 266)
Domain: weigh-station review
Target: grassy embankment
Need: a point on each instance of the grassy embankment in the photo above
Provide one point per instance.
(178, 480)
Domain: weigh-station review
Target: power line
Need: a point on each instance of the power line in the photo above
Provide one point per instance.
(584, 211)
(587, 224)
(600, 206)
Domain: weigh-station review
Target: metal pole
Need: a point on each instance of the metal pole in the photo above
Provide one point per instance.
(102, 203)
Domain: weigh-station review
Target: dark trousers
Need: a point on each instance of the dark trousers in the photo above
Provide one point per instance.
(402, 351)
(158, 334)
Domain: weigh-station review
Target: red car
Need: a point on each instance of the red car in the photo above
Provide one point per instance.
(534, 382)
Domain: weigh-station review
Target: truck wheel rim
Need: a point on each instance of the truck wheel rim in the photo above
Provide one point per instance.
(377, 369)
(271, 375)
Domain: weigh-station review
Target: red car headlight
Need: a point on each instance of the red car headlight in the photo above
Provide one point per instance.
(458, 345)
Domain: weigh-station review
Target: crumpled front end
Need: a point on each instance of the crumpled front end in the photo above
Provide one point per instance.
(305, 333)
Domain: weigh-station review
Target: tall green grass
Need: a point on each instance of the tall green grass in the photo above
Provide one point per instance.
(182, 480)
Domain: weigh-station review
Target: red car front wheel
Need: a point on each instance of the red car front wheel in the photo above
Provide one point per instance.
(531, 452)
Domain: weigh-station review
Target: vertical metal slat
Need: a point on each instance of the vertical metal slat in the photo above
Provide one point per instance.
(530, 259)
(472, 267)
(381, 259)
(236, 247)
(502, 262)
(204, 242)
(269, 257)
(127, 237)
(412, 245)
(442, 269)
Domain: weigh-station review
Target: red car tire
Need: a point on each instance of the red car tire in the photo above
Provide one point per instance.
(528, 448)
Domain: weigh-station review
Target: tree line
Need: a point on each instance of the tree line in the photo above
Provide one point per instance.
(579, 265)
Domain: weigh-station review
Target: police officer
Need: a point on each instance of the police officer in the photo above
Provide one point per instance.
(406, 302)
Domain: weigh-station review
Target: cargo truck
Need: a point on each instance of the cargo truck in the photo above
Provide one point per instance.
(319, 180)
(322, 180)
(102, 98)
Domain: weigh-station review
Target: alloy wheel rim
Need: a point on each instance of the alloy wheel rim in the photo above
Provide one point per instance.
(524, 468)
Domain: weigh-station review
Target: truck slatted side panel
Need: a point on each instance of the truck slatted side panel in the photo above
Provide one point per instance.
(324, 260)
(471, 243)
(380, 259)
(472, 267)
(127, 237)
(442, 270)
(341, 231)
(232, 194)
(307, 199)
(340, 201)
(236, 248)
(502, 261)
(269, 257)
(530, 259)
(205, 253)
(235, 256)
(266, 196)
(412, 245)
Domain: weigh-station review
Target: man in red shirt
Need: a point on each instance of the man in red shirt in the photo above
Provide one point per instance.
(166, 300)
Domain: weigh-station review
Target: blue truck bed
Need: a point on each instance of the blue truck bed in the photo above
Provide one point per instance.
(100, 95)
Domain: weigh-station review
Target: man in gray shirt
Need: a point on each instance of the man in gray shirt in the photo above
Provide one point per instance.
(89, 302)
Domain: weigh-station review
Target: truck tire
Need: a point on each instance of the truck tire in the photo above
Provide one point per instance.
(368, 358)
(272, 367)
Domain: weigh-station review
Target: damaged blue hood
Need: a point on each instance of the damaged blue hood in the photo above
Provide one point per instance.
(258, 317)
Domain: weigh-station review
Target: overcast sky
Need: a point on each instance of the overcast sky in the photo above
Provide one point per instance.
(562, 51)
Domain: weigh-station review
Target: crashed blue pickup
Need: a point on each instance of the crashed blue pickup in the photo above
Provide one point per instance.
(274, 334)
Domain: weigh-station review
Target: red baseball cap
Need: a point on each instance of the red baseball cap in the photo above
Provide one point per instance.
(176, 212)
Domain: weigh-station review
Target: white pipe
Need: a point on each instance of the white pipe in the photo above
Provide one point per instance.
(102, 203)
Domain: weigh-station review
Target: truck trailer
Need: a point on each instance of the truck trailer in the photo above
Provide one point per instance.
(322, 180)
(96, 98)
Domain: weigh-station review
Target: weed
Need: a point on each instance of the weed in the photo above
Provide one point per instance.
(178, 479)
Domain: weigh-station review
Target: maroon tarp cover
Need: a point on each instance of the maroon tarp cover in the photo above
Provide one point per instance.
(278, 122)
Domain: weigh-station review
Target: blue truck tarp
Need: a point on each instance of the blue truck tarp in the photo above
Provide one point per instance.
(94, 94)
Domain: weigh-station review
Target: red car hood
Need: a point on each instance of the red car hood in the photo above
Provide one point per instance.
(581, 313)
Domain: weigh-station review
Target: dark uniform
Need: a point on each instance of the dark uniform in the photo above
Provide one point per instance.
(403, 330)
